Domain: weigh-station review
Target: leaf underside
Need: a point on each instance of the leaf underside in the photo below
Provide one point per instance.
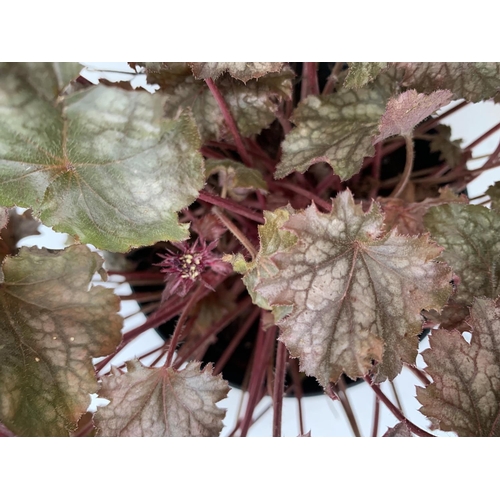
(101, 164)
(465, 394)
(405, 111)
(162, 402)
(355, 293)
(52, 326)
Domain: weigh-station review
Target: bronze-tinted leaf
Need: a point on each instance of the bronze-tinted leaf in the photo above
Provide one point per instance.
(465, 394)
(162, 402)
(52, 326)
(408, 218)
(405, 111)
(355, 293)
(399, 430)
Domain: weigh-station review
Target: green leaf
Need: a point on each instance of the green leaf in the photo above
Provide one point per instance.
(355, 292)
(336, 129)
(101, 164)
(235, 178)
(162, 402)
(465, 394)
(405, 111)
(470, 235)
(272, 240)
(243, 71)
(362, 73)
(52, 327)
(451, 151)
(472, 81)
(50, 80)
(494, 193)
(252, 105)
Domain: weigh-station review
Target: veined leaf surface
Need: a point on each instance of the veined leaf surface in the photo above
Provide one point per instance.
(101, 164)
(465, 394)
(52, 326)
(470, 235)
(355, 293)
(162, 402)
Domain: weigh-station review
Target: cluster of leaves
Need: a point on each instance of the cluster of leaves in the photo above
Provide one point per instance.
(339, 281)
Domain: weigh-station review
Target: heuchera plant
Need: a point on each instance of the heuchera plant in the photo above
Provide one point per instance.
(285, 203)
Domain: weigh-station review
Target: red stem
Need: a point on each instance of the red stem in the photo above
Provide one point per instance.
(154, 321)
(279, 388)
(284, 121)
(304, 192)
(233, 128)
(491, 160)
(229, 205)
(333, 78)
(260, 415)
(235, 341)
(338, 391)
(261, 154)
(310, 84)
(376, 415)
(297, 389)
(210, 153)
(395, 410)
(426, 126)
(483, 137)
(377, 162)
(240, 308)
(137, 275)
(4, 432)
(166, 312)
(420, 375)
(264, 344)
(195, 296)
